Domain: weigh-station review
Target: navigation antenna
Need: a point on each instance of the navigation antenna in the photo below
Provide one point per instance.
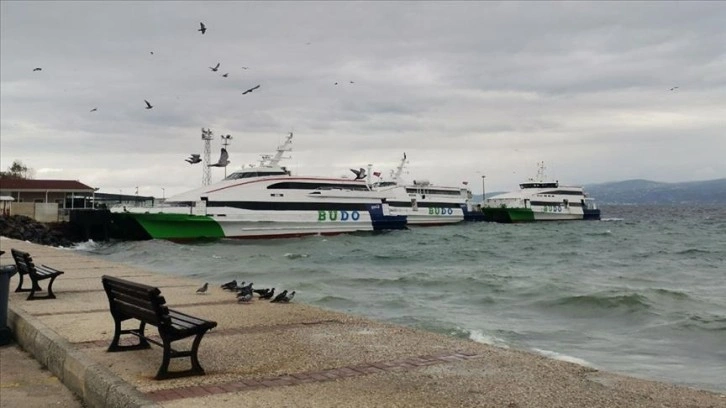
(269, 161)
(541, 172)
(206, 170)
(396, 174)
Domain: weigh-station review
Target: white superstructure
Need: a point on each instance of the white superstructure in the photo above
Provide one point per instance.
(423, 203)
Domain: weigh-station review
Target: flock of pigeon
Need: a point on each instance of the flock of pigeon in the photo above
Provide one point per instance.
(245, 293)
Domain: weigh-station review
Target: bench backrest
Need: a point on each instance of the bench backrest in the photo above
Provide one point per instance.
(135, 300)
(23, 262)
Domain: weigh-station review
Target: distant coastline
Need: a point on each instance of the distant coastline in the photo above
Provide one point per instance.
(708, 192)
(642, 192)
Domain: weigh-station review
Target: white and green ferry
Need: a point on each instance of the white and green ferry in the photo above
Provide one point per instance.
(264, 201)
(541, 200)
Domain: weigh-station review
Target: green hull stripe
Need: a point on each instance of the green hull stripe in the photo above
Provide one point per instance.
(179, 226)
(508, 214)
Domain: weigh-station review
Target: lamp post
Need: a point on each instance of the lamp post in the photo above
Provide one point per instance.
(225, 142)
(163, 193)
(483, 190)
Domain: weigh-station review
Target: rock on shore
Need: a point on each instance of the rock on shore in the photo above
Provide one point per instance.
(27, 229)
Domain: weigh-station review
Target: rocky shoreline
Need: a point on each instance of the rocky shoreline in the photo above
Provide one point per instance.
(58, 234)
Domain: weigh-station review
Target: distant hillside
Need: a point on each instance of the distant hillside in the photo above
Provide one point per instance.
(653, 192)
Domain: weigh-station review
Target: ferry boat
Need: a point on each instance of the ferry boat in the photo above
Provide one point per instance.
(266, 201)
(541, 200)
(423, 203)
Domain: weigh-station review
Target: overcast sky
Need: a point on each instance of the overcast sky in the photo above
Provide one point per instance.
(465, 89)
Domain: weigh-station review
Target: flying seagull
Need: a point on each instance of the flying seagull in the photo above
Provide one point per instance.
(250, 90)
(151, 52)
(225, 75)
(37, 69)
(94, 109)
(194, 159)
(359, 174)
(245, 67)
(215, 67)
(202, 28)
(674, 88)
(280, 297)
(203, 289)
(223, 162)
(148, 105)
(335, 83)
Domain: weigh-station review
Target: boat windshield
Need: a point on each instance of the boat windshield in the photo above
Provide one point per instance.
(538, 185)
(249, 174)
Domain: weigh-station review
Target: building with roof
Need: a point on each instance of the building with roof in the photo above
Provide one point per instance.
(45, 200)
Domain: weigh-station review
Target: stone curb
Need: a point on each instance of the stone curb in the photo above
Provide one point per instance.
(93, 383)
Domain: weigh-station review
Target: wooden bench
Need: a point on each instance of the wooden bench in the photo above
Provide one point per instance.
(131, 300)
(36, 273)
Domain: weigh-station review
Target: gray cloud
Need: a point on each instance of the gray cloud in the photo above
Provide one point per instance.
(465, 88)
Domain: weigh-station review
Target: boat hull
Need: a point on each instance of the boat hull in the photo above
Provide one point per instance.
(517, 215)
(255, 224)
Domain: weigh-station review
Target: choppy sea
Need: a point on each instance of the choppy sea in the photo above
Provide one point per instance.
(641, 292)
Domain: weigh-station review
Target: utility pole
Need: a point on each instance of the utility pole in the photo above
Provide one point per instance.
(206, 172)
(225, 142)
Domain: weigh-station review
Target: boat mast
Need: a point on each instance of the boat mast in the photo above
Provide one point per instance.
(396, 174)
(268, 161)
(206, 170)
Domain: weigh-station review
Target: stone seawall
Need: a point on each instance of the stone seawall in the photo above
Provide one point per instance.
(27, 229)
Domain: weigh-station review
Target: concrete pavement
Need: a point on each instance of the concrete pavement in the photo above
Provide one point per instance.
(276, 355)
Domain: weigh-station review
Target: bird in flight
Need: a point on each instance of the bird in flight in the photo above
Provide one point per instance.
(250, 90)
(674, 88)
(223, 159)
(245, 67)
(226, 75)
(335, 83)
(202, 28)
(203, 289)
(359, 174)
(151, 52)
(194, 159)
(215, 68)
(37, 69)
(94, 109)
(148, 105)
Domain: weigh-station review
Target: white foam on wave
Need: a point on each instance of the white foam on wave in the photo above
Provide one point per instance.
(479, 337)
(611, 219)
(295, 256)
(87, 246)
(563, 357)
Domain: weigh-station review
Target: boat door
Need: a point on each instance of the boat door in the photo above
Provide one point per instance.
(414, 204)
(200, 207)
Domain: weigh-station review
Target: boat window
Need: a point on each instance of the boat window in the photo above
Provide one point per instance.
(296, 185)
(539, 185)
(250, 174)
(433, 191)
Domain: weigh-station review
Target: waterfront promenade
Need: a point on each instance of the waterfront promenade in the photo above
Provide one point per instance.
(293, 355)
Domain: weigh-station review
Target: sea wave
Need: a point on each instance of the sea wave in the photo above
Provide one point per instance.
(602, 301)
(563, 357)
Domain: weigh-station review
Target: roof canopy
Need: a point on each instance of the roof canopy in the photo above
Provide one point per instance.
(43, 185)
